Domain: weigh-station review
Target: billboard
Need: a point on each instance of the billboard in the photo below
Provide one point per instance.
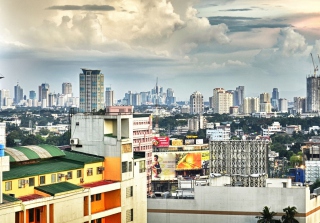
(177, 142)
(199, 141)
(161, 141)
(165, 165)
(189, 141)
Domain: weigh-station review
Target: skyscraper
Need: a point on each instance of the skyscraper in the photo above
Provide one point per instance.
(109, 97)
(275, 98)
(196, 103)
(91, 90)
(299, 105)
(265, 105)
(18, 94)
(283, 105)
(222, 101)
(67, 88)
(44, 90)
(4, 96)
(238, 96)
(251, 105)
(170, 99)
(32, 95)
(312, 100)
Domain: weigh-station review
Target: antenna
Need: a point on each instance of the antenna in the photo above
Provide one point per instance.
(315, 68)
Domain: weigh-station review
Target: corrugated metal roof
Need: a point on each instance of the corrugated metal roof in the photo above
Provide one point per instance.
(25, 153)
(57, 188)
(7, 198)
(97, 184)
(44, 167)
(82, 157)
(30, 197)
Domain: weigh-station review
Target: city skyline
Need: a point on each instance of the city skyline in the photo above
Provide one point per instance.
(196, 46)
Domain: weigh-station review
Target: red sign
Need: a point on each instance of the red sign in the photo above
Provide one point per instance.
(161, 141)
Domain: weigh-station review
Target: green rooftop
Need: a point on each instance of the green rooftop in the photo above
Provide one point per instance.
(54, 189)
(44, 167)
(82, 157)
(8, 198)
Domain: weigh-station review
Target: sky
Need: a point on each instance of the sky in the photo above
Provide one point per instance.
(188, 45)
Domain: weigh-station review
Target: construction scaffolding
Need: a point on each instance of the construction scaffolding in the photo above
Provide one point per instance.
(246, 162)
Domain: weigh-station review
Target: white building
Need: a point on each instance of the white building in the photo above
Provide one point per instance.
(283, 105)
(274, 128)
(196, 103)
(251, 105)
(222, 101)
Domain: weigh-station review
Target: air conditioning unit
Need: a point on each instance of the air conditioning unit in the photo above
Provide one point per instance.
(26, 182)
(101, 168)
(74, 142)
(60, 175)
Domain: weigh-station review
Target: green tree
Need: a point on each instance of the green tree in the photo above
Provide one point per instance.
(267, 216)
(33, 140)
(288, 217)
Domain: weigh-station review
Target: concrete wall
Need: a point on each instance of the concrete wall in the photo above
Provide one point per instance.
(230, 204)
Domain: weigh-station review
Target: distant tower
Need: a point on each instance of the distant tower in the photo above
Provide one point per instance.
(170, 97)
(312, 100)
(18, 94)
(91, 90)
(275, 98)
(283, 105)
(67, 89)
(265, 105)
(222, 100)
(32, 95)
(196, 103)
(251, 105)
(238, 96)
(44, 91)
(109, 97)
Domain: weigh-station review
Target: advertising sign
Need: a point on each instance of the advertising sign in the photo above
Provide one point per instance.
(161, 141)
(192, 160)
(177, 142)
(163, 166)
(199, 141)
(189, 141)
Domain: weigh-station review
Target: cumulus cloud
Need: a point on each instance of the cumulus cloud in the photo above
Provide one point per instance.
(291, 42)
(82, 7)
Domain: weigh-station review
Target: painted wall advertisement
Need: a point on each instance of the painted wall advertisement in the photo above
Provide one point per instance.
(165, 165)
(161, 141)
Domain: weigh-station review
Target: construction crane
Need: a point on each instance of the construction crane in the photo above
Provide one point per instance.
(315, 68)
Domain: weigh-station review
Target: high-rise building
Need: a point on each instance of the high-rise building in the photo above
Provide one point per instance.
(265, 105)
(32, 95)
(170, 99)
(67, 88)
(44, 91)
(283, 105)
(109, 96)
(222, 101)
(136, 99)
(299, 104)
(18, 94)
(312, 100)
(196, 103)
(4, 96)
(238, 96)
(251, 105)
(275, 99)
(91, 90)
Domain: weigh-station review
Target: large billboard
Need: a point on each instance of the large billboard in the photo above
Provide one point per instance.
(165, 165)
(163, 141)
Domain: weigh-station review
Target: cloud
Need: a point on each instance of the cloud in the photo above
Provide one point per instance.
(236, 10)
(82, 7)
(291, 42)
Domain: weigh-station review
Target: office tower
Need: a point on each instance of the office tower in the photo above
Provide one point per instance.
(91, 90)
(196, 103)
(109, 97)
(44, 90)
(52, 100)
(136, 99)
(128, 98)
(145, 97)
(238, 96)
(299, 104)
(251, 105)
(312, 100)
(170, 99)
(4, 96)
(265, 105)
(18, 94)
(32, 95)
(283, 105)
(222, 101)
(275, 99)
(67, 88)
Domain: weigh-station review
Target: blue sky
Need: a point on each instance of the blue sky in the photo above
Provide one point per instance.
(189, 45)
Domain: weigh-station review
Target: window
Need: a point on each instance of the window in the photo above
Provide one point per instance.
(129, 215)
(8, 185)
(53, 178)
(98, 197)
(20, 183)
(89, 172)
(130, 166)
(31, 181)
(98, 220)
(31, 215)
(100, 169)
(129, 191)
(92, 198)
(42, 179)
(124, 167)
(69, 175)
(142, 166)
(79, 173)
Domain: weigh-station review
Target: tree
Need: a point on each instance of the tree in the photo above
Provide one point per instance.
(267, 216)
(288, 217)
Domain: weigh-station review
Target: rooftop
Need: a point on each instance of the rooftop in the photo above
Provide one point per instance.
(54, 189)
(99, 183)
(30, 197)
